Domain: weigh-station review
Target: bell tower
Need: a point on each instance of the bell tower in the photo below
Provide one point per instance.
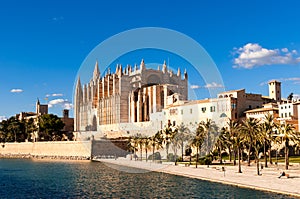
(275, 90)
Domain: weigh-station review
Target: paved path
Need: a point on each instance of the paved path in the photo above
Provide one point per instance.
(268, 181)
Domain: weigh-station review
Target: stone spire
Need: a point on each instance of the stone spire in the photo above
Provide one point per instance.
(78, 85)
(185, 74)
(178, 72)
(117, 69)
(96, 73)
(129, 69)
(38, 101)
(164, 68)
(135, 67)
(142, 65)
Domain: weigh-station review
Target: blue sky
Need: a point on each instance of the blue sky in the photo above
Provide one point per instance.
(43, 43)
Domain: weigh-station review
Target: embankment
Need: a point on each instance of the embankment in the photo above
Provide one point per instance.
(61, 149)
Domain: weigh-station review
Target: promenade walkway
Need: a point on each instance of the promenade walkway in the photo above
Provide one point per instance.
(268, 181)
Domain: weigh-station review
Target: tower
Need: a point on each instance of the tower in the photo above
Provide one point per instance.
(78, 101)
(41, 109)
(275, 90)
(37, 107)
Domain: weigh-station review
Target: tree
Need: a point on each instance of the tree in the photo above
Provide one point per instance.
(198, 140)
(267, 129)
(183, 135)
(140, 141)
(221, 143)
(156, 142)
(135, 142)
(14, 129)
(50, 127)
(253, 136)
(147, 142)
(287, 134)
(168, 133)
(235, 141)
(211, 132)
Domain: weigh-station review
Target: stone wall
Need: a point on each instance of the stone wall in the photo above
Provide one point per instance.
(61, 148)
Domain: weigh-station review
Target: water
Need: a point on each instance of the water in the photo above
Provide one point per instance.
(22, 178)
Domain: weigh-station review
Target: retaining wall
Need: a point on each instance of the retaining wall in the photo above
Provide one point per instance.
(61, 148)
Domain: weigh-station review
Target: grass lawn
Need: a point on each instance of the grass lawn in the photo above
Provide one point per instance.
(293, 159)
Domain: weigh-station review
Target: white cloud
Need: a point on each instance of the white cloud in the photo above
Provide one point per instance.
(57, 94)
(296, 96)
(54, 95)
(295, 80)
(195, 86)
(58, 18)
(2, 118)
(209, 85)
(251, 55)
(16, 90)
(213, 85)
(61, 102)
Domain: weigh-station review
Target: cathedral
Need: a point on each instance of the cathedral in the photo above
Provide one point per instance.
(129, 98)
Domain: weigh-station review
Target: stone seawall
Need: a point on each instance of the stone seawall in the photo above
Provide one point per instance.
(48, 149)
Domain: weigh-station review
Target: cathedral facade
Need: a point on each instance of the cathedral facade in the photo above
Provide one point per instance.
(131, 95)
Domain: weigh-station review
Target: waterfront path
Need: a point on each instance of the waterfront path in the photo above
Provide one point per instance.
(268, 181)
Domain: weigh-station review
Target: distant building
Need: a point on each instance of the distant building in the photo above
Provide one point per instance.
(42, 109)
(275, 90)
(260, 113)
(128, 100)
(191, 113)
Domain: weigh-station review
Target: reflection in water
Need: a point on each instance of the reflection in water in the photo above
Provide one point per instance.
(42, 179)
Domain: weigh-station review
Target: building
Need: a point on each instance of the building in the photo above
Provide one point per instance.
(190, 113)
(134, 100)
(289, 113)
(128, 100)
(275, 90)
(260, 113)
(42, 109)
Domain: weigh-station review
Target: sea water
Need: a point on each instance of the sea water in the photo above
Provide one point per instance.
(25, 178)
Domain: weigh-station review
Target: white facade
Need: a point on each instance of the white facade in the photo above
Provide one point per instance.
(193, 112)
(288, 111)
(260, 113)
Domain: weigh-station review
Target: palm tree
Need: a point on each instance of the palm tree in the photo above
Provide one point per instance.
(253, 136)
(211, 131)
(236, 141)
(135, 141)
(169, 134)
(156, 142)
(130, 146)
(287, 134)
(140, 141)
(198, 140)
(147, 143)
(267, 128)
(183, 135)
(221, 143)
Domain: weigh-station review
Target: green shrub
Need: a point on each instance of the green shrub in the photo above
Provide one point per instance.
(157, 156)
(171, 157)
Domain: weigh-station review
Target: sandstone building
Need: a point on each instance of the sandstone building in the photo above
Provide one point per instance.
(127, 100)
